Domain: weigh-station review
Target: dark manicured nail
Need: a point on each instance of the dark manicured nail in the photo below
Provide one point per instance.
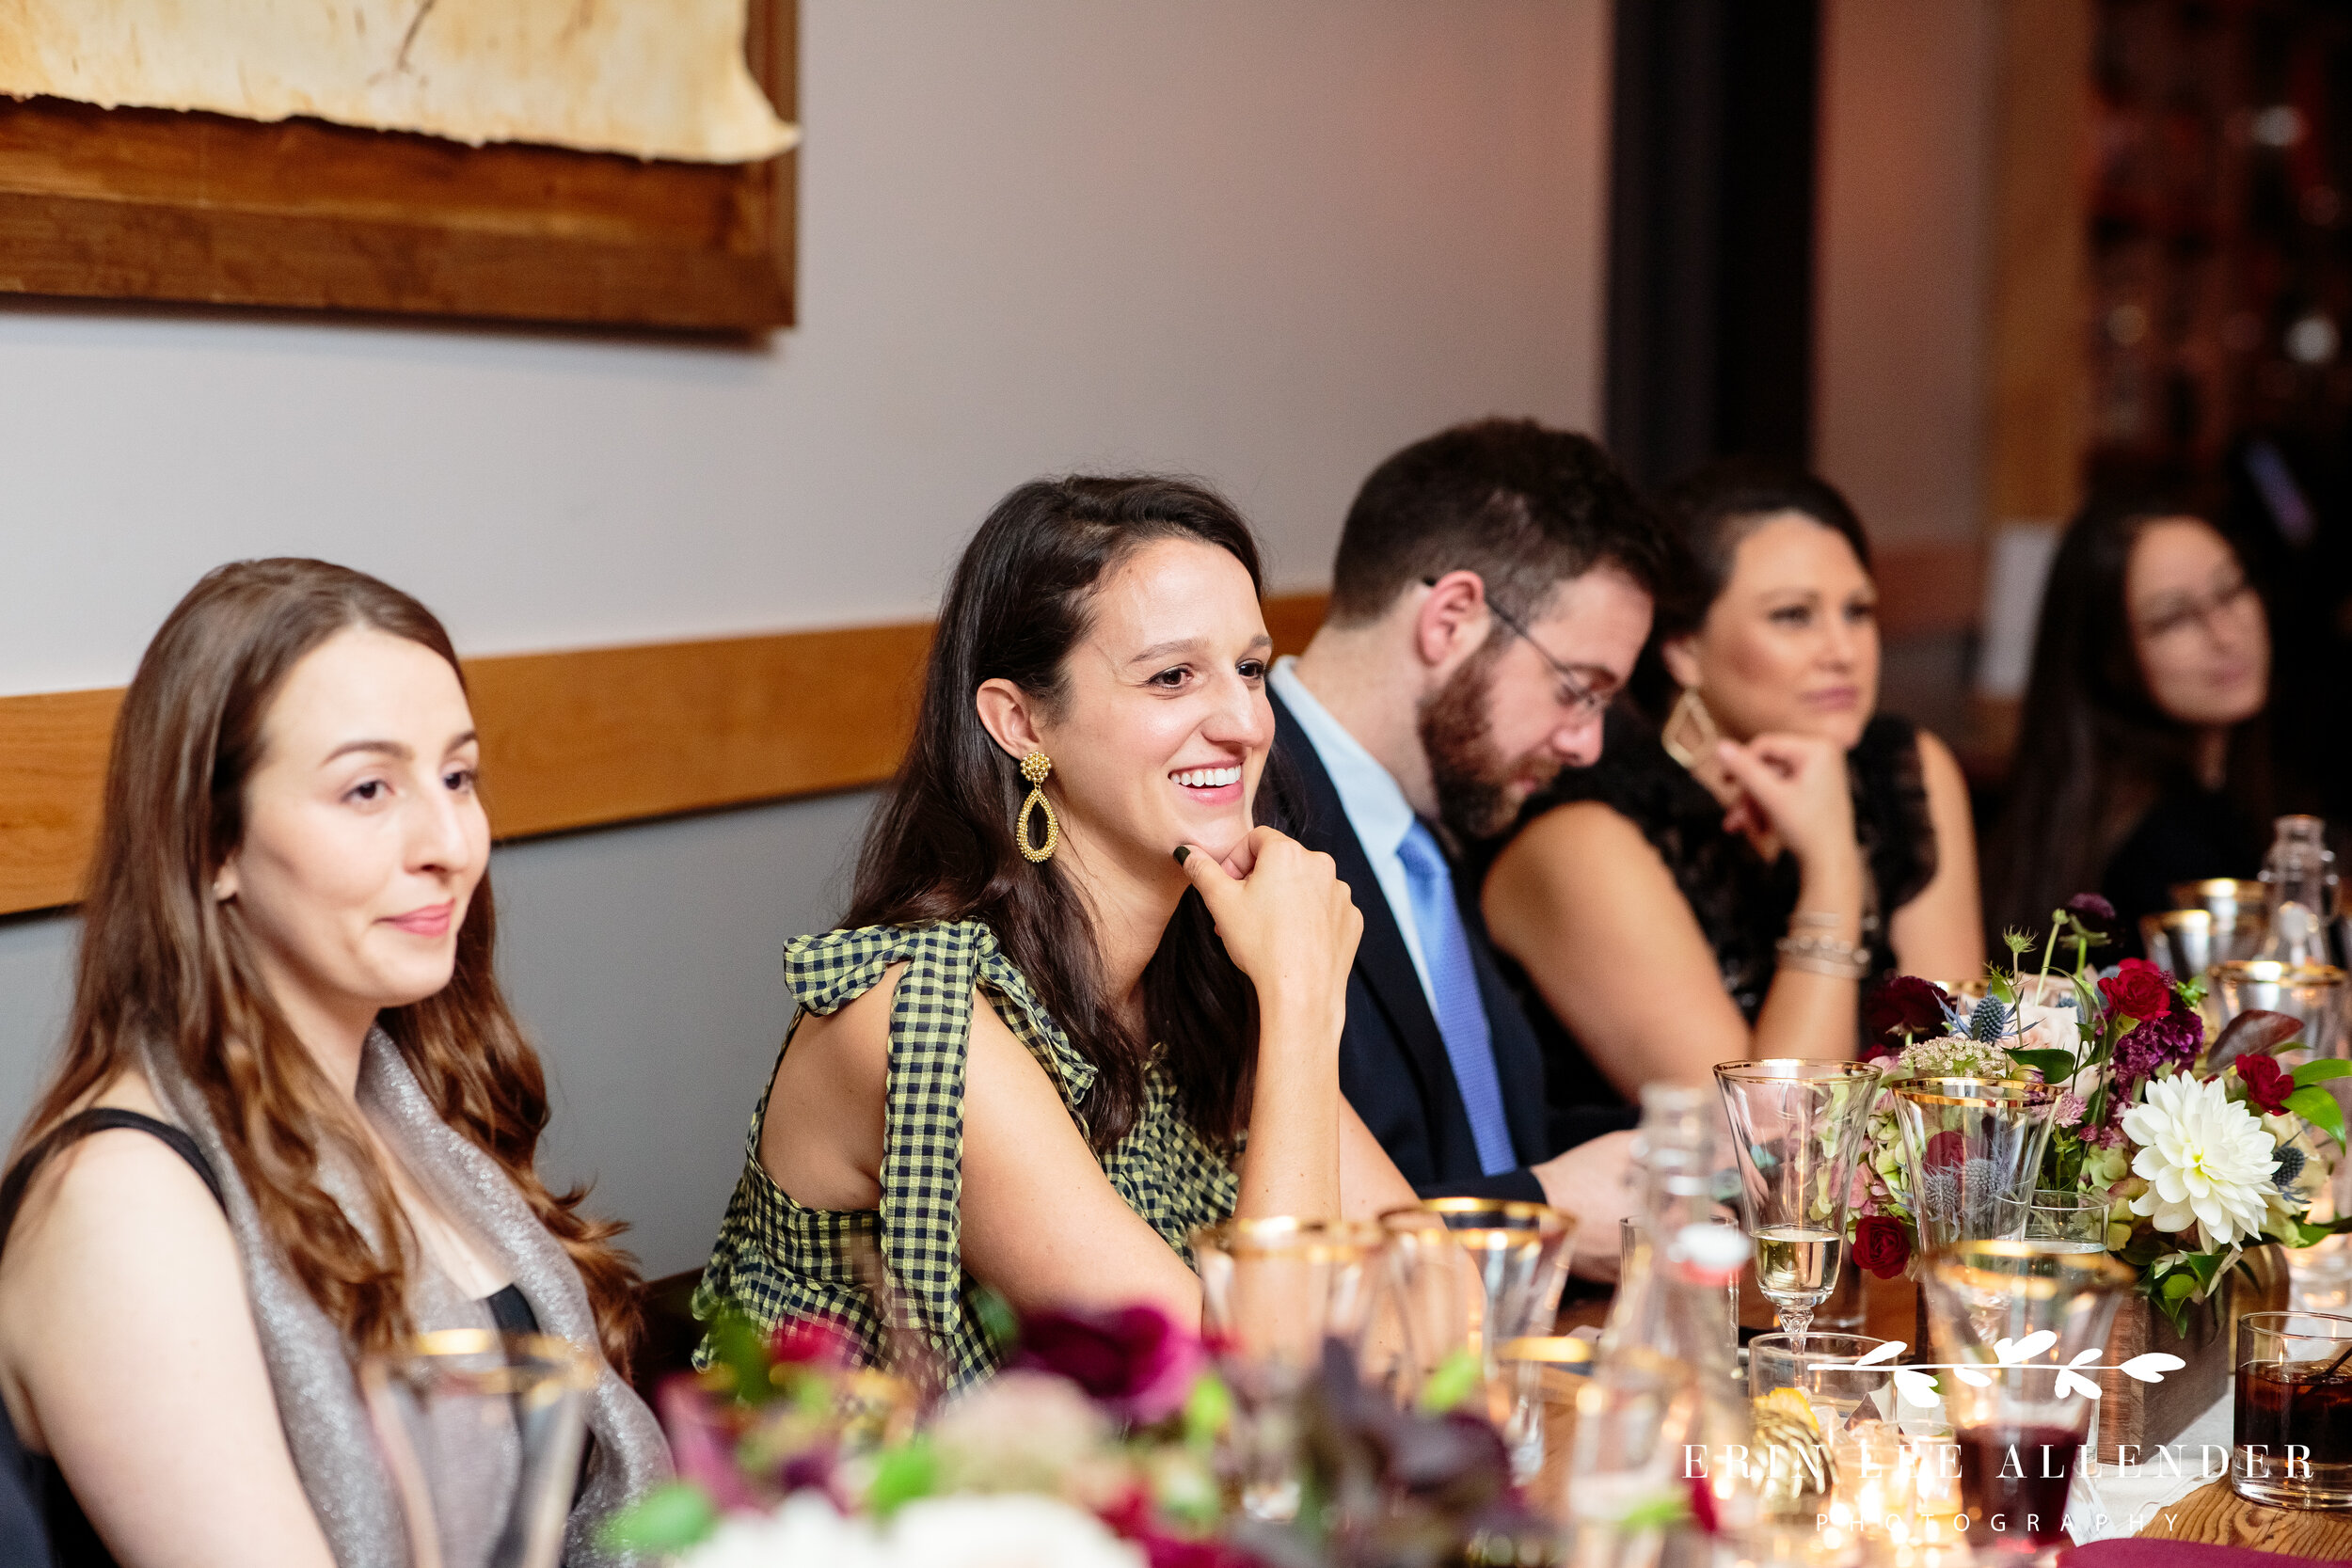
(1181, 851)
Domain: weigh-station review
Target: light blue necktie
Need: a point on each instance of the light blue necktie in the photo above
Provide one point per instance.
(1453, 987)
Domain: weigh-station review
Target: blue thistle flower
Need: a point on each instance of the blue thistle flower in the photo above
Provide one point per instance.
(1989, 1023)
(2290, 1167)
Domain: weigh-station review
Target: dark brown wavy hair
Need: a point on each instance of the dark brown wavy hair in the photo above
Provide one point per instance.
(941, 845)
(163, 961)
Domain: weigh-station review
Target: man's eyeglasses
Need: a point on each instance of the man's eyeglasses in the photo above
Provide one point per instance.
(1574, 695)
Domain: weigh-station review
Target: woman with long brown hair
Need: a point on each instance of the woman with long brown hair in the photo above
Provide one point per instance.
(295, 1120)
(1081, 965)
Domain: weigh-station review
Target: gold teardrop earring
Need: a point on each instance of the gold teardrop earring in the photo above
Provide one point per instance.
(1034, 768)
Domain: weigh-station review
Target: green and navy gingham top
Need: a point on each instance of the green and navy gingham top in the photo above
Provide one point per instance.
(776, 1260)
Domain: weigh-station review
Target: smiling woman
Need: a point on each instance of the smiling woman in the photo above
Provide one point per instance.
(295, 1120)
(1038, 1076)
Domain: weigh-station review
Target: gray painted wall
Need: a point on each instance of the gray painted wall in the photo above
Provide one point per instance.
(645, 962)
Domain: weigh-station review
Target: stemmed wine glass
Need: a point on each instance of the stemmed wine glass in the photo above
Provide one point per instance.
(1797, 1128)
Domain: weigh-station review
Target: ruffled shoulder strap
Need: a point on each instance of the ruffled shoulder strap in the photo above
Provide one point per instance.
(931, 1037)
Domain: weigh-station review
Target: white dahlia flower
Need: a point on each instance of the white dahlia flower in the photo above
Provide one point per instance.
(1008, 1530)
(2207, 1160)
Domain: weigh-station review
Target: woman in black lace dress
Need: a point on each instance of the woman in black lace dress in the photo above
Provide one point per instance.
(1725, 884)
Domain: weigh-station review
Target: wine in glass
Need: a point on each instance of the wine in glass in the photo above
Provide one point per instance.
(1797, 1127)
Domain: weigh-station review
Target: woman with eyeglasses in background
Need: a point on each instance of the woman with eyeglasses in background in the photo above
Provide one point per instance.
(1724, 885)
(2141, 753)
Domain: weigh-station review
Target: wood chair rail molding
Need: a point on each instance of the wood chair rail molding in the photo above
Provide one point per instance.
(584, 738)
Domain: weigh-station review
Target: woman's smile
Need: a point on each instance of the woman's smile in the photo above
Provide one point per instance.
(1210, 787)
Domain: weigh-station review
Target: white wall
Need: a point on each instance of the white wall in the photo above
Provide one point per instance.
(1261, 240)
(1264, 241)
(1900, 290)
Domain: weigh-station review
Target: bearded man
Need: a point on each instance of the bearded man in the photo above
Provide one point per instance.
(1493, 587)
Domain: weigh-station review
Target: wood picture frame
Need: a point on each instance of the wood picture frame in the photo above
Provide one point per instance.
(150, 204)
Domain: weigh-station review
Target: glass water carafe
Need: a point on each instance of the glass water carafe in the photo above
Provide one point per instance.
(2300, 876)
(1661, 1430)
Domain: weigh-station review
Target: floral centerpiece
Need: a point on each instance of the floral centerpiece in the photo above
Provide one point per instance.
(2199, 1148)
(1103, 1445)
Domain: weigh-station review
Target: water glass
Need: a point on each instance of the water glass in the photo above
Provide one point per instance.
(2067, 1221)
(2237, 915)
(2020, 1418)
(480, 1433)
(1805, 1398)
(1797, 1127)
(1273, 1292)
(1972, 1148)
(1469, 1274)
(2292, 1428)
(2314, 993)
(2181, 941)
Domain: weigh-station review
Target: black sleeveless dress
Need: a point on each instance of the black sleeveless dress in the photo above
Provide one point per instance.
(32, 1484)
(1741, 904)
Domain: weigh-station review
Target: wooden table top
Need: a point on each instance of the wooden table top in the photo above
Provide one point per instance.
(2211, 1514)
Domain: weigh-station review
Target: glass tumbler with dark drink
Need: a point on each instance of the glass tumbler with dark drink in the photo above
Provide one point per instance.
(2292, 1445)
(2013, 1320)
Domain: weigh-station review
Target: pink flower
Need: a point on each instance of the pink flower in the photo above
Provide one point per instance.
(2070, 1110)
(702, 1442)
(812, 1343)
(1137, 1362)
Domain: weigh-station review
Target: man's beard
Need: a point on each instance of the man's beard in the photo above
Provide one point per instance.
(1479, 790)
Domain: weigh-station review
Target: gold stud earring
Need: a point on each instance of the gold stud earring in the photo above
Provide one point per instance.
(1034, 768)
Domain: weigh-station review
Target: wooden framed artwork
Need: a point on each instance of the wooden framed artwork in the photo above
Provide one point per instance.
(171, 205)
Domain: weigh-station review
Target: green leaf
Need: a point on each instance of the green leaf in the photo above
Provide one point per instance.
(1662, 1510)
(998, 1320)
(740, 1344)
(2055, 1067)
(670, 1518)
(901, 1475)
(2178, 1286)
(1452, 1380)
(2318, 1107)
(1208, 1411)
(2321, 1070)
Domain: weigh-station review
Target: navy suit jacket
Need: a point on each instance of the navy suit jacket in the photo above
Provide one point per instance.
(1393, 1066)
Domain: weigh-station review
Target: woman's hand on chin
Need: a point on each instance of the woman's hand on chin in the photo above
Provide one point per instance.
(1792, 786)
(1286, 919)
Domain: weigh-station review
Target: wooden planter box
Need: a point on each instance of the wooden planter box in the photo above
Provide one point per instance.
(2142, 1415)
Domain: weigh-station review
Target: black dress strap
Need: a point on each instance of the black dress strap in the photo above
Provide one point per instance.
(97, 1119)
(35, 1478)
(511, 1311)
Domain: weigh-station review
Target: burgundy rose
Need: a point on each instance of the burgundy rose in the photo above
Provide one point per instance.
(1945, 1148)
(1880, 1244)
(2267, 1084)
(2138, 990)
(1137, 1362)
(1904, 1006)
